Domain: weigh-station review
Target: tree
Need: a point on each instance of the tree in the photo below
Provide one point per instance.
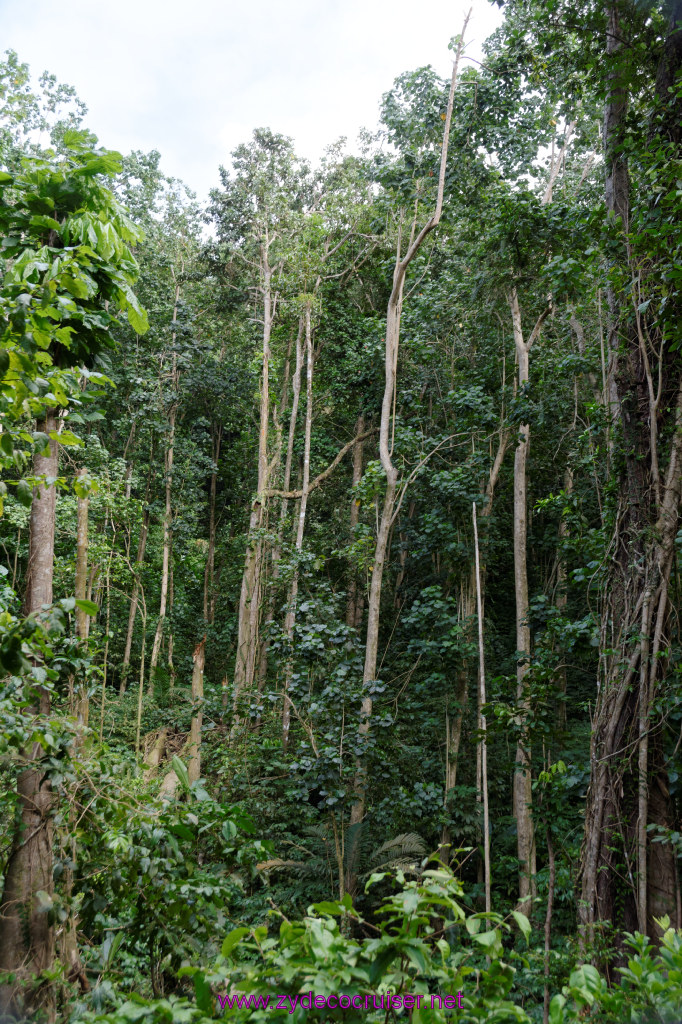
(69, 260)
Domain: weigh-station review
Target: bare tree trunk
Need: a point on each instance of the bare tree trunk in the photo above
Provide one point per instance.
(209, 593)
(454, 720)
(522, 792)
(67, 936)
(276, 553)
(393, 317)
(27, 942)
(171, 599)
(355, 600)
(129, 465)
(82, 617)
(402, 560)
(194, 765)
(140, 689)
(290, 620)
(295, 398)
(105, 666)
(453, 725)
(482, 718)
(167, 539)
(168, 513)
(249, 600)
(134, 597)
(548, 922)
(562, 596)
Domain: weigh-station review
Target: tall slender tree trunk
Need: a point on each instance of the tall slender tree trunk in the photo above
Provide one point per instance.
(167, 530)
(290, 620)
(135, 595)
(454, 717)
(523, 780)
(67, 936)
(289, 457)
(168, 512)
(276, 552)
(393, 317)
(250, 596)
(134, 599)
(482, 725)
(209, 592)
(82, 617)
(475, 584)
(171, 639)
(522, 793)
(355, 600)
(27, 941)
(194, 765)
(562, 595)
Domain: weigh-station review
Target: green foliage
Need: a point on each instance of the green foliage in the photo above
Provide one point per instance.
(423, 943)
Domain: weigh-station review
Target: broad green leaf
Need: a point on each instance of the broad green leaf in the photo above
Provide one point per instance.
(523, 923)
(556, 1010)
(327, 907)
(487, 938)
(232, 939)
(137, 316)
(416, 954)
(181, 771)
(203, 993)
(24, 494)
(87, 606)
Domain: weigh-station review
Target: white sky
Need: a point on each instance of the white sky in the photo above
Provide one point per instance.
(193, 78)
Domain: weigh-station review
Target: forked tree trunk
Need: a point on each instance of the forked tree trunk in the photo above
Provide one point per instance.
(27, 942)
(393, 317)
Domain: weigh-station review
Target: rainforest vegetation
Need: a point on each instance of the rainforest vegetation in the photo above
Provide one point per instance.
(340, 551)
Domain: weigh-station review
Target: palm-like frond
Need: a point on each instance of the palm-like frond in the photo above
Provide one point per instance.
(399, 852)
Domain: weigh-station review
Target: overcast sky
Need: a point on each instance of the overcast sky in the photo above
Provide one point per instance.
(193, 78)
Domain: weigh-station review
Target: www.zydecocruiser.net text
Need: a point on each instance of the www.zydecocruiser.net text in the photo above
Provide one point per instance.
(387, 1001)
